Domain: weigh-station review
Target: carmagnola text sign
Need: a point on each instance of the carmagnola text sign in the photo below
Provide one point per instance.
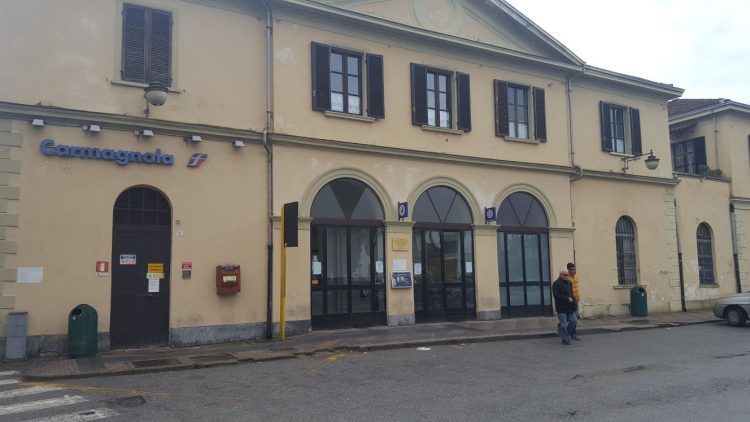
(121, 157)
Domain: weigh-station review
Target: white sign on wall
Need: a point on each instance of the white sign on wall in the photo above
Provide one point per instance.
(30, 274)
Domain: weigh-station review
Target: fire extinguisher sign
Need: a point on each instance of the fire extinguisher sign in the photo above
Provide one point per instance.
(102, 268)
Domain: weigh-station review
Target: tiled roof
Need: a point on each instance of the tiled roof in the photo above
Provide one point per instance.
(685, 105)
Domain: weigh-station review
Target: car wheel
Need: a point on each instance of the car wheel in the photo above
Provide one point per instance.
(736, 317)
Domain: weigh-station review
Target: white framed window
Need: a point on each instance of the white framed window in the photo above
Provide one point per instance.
(520, 111)
(621, 129)
(440, 98)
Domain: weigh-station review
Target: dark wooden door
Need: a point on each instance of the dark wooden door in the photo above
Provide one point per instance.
(140, 308)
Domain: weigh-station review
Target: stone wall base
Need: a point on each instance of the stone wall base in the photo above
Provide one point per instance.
(405, 319)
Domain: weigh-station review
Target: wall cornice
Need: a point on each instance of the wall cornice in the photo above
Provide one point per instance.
(630, 178)
(740, 203)
(291, 140)
(70, 117)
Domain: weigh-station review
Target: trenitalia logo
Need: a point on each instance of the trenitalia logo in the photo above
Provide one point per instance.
(196, 160)
(48, 147)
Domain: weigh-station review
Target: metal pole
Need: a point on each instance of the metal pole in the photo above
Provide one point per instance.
(282, 308)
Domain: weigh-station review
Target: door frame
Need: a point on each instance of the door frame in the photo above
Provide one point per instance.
(525, 310)
(165, 284)
(444, 314)
(348, 319)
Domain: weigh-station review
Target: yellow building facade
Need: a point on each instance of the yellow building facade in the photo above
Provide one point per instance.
(448, 158)
(709, 140)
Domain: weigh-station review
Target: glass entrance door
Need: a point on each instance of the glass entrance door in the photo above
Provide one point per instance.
(443, 275)
(524, 274)
(348, 280)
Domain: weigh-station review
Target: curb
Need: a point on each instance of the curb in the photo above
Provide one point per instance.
(236, 358)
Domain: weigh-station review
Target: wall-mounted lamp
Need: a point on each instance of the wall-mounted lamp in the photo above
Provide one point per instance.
(91, 128)
(155, 94)
(37, 123)
(145, 133)
(651, 161)
(238, 143)
(193, 138)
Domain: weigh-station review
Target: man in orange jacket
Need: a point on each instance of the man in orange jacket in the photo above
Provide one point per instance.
(576, 293)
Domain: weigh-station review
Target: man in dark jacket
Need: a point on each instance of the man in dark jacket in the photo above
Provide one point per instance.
(565, 305)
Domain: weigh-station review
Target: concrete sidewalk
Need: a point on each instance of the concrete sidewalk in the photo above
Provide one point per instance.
(357, 339)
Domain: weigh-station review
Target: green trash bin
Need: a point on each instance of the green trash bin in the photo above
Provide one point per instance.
(82, 326)
(638, 301)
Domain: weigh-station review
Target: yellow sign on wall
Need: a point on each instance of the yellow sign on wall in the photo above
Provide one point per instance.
(155, 267)
(400, 244)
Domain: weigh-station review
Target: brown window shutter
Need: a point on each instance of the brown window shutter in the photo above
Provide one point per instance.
(635, 131)
(133, 44)
(502, 127)
(463, 95)
(605, 125)
(540, 118)
(321, 76)
(375, 87)
(418, 94)
(160, 48)
(699, 146)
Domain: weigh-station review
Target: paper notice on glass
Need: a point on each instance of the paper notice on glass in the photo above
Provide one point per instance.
(418, 269)
(399, 265)
(317, 268)
(30, 274)
(469, 267)
(379, 267)
(153, 285)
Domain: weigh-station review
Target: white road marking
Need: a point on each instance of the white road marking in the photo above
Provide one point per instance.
(9, 382)
(27, 391)
(8, 373)
(83, 416)
(40, 404)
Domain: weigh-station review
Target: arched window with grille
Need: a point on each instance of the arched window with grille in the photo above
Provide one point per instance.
(626, 259)
(705, 255)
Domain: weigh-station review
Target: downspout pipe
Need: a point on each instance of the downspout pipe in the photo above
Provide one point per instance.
(269, 168)
(571, 150)
(679, 259)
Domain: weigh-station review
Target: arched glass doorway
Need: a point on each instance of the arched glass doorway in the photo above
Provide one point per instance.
(523, 257)
(141, 242)
(443, 255)
(347, 249)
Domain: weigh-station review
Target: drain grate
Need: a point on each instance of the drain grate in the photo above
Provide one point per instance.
(155, 362)
(213, 358)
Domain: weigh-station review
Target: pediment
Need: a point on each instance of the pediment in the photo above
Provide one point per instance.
(491, 22)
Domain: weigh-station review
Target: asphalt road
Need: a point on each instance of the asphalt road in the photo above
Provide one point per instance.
(699, 373)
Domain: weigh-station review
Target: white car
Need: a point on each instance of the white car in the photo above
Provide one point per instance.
(734, 309)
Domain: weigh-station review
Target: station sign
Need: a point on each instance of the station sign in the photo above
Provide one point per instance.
(121, 157)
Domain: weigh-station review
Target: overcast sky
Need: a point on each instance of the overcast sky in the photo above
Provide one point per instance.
(702, 46)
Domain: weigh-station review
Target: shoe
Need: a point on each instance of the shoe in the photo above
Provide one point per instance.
(576, 338)
(566, 342)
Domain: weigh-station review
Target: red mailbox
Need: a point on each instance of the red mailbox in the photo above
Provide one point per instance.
(227, 279)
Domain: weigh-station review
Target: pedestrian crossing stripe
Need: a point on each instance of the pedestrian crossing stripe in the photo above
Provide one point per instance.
(9, 382)
(83, 416)
(40, 404)
(8, 373)
(27, 391)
